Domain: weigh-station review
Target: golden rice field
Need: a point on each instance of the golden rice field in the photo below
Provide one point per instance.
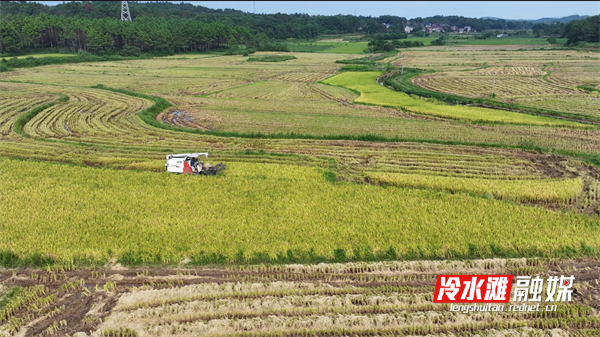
(227, 215)
(134, 209)
(84, 188)
(544, 190)
(480, 84)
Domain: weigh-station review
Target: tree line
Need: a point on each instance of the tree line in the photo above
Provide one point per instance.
(165, 27)
(587, 30)
(274, 26)
(105, 35)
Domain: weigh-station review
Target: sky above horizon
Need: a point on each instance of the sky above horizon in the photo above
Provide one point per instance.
(530, 10)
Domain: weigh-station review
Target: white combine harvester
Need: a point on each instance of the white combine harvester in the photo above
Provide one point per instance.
(187, 163)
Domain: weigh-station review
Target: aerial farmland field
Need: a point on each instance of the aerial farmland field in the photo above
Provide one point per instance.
(352, 181)
(426, 179)
(531, 78)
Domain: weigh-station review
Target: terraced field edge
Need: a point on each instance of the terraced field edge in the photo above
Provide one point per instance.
(160, 104)
(23, 119)
(400, 82)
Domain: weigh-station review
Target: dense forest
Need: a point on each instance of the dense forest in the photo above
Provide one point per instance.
(275, 26)
(587, 30)
(103, 35)
(94, 26)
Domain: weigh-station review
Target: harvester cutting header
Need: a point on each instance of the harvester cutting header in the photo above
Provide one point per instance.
(187, 163)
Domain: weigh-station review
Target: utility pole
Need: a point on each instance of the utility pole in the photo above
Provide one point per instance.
(125, 15)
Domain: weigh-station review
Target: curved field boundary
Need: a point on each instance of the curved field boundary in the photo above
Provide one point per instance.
(371, 93)
(160, 104)
(149, 116)
(23, 119)
(402, 83)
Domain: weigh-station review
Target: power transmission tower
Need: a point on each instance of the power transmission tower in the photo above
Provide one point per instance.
(125, 16)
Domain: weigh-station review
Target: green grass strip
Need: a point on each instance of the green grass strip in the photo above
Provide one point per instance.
(148, 115)
(271, 58)
(588, 87)
(548, 72)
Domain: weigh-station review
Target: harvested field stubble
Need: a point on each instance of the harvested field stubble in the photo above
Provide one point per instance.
(227, 109)
(541, 79)
(329, 299)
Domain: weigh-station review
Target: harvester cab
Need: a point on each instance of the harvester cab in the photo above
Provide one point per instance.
(187, 163)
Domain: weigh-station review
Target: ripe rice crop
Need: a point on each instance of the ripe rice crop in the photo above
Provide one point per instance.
(103, 128)
(563, 191)
(132, 215)
(285, 90)
(13, 106)
(512, 71)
